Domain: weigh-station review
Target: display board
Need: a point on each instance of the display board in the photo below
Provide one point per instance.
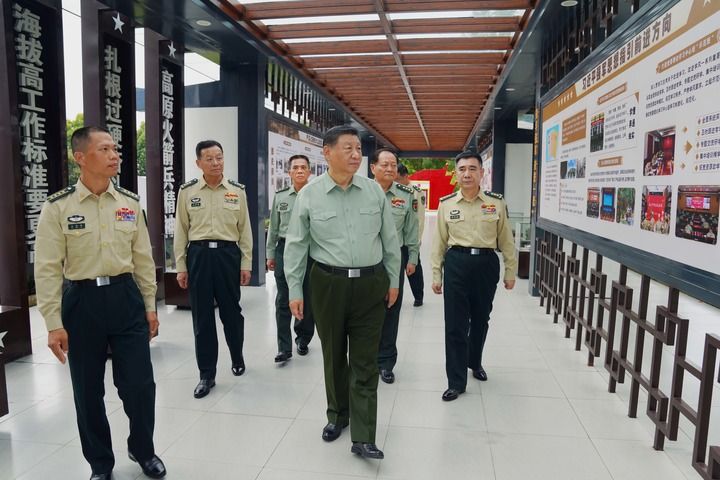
(284, 141)
(631, 151)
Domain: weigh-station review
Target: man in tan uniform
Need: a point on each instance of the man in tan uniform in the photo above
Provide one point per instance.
(94, 234)
(213, 252)
(471, 224)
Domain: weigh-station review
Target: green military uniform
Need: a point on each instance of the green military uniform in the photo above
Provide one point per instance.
(100, 244)
(417, 283)
(213, 242)
(283, 203)
(352, 237)
(404, 212)
(468, 232)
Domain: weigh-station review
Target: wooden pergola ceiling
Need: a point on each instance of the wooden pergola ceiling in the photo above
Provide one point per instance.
(418, 72)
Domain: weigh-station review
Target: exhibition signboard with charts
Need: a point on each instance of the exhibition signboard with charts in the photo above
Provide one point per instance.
(632, 149)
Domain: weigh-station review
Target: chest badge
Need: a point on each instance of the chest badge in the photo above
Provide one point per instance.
(232, 198)
(283, 207)
(488, 209)
(455, 214)
(397, 202)
(75, 218)
(196, 202)
(125, 215)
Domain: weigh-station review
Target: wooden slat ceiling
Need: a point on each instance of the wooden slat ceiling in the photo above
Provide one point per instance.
(418, 72)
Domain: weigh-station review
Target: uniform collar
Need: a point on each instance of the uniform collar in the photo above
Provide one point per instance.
(393, 189)
(83, 192)
(224, 182)
(328, 183)
(459, 197)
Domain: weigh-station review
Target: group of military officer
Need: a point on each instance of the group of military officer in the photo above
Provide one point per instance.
(340, 247)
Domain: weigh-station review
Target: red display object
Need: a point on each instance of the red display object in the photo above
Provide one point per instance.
(439, 184)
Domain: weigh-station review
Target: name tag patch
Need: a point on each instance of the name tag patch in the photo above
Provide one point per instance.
(232, 198)
(76, 226)
(397, 202)
(196, 202)
(283, 207)
(125, 215)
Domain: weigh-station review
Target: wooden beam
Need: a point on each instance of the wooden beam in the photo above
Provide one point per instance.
(411, 45)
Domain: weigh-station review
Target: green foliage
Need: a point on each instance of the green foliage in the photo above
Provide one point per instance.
(74, 170)
(416, 164)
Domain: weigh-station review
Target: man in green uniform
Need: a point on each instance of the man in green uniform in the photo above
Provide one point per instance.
(383, 165)
(94, 234)
(283, 202)
(213, 252)
(416, 281)
(471, 224)
(343, 221)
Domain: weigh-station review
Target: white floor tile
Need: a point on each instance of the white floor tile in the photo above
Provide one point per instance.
(531, 415)
(633, 460)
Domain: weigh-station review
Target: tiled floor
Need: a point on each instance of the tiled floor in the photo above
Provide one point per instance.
(542, 415)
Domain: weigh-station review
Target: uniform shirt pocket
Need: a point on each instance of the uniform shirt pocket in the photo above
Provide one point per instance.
(370, 220)
(325, 223)
(80, 240)
(399, 217)
(124, 235)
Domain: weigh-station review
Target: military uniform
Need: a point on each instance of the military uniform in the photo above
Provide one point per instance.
(213, 242)
(404, 213)
(416, 281)
(352, 237)
(100, 244)
(282, 207)
(463, 252)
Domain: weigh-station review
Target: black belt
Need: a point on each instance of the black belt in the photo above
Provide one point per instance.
(213, 243)
(351, 272)
(102, 281)
(473, 250)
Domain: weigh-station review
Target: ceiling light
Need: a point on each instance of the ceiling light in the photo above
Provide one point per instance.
(509, 89)
(203, 23)
(569, 3)
(498, 108)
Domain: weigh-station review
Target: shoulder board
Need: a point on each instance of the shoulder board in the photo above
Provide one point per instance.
(494, 195)
(418, 189)
(236, 184)
(187, 184)
(128, 193)
(404, 188)
(282, 190)
(60, 194)
(448, 197)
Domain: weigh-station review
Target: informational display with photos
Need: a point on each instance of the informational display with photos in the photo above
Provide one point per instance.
(284, 141)
(631, 152)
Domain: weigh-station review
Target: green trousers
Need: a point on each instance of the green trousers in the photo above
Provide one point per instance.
(349, 313)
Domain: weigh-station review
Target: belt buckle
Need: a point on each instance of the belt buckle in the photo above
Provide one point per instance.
(353, 273)
(102, 281)
(474, 251)
(212, 244)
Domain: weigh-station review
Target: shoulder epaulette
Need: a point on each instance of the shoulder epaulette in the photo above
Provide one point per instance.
(128, 193)
(417, 188)
(61, 193)
(404, 188)
(281, 190)
(236, 184)
(448, 197)
(494, 195)
(188, 183)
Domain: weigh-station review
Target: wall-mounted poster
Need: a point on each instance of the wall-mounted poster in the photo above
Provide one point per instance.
(632, 149)
(284, 141)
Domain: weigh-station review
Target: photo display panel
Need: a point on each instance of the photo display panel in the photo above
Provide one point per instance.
(631, 151)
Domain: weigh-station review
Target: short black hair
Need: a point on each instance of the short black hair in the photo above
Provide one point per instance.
(80, 137)
(402, 170)
(295, 157)
(332, 135)
(206, 144)
(468, 154)
(376, 154)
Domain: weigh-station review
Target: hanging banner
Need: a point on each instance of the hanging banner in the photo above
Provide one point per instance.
(631, 152)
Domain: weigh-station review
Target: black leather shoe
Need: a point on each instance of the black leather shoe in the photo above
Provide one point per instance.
(283, 357)
(480, 374)
(203, 388)
(451, 394)
(152, 467)
(367, 450)
(417, 303)
(302, 349)
(387, 376)
(238, 369)
(101, 476)
(331, 431)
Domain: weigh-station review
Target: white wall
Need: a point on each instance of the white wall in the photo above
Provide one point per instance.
(217, 123)
(518, 177)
